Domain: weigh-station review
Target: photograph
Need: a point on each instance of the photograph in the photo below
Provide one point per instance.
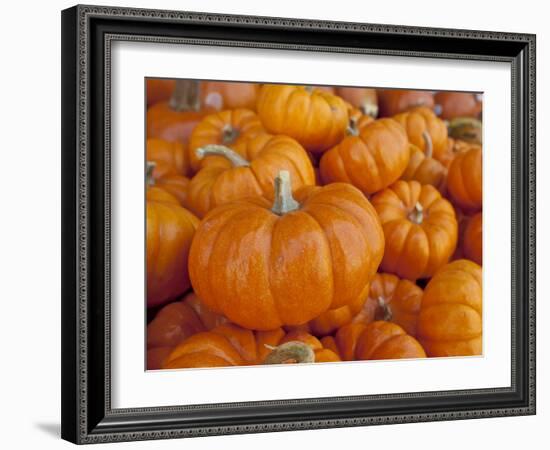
(301, 224)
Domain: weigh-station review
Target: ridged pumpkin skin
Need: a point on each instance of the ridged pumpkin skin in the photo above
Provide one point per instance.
(377, 340)
(370, 161)
(222, 182)
(172, 153)
(364, 99)
(454, 148)
(395, 101)
(230, 128)
(222, 95)
(264, 270)
(170, 230)
(450, 319)
(464, 180)
(315, 118)
(473, 239)
(457, 104)
(231, 345)
(418, 121)
(165, 176)
(420, 229)
(424, 169)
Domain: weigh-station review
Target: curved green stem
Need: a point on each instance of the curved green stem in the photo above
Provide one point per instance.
(221, 150)
(283, 200)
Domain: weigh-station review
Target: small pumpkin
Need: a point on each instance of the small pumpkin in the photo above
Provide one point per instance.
(421, 121)
(268, 264)
(164, 176)
(231, 128)
(364, 99)
(315, 118)
(457, 104)
(170, 230)
(423, 168)
(371, 158)
(234, 177)
(420, 229)
(231, 345)
(455, 147)
(222, 95)
(450, 319)
(175, 119)
(473, 239)
(171, 153)
(377, 340)
(159, 90)
(464, 180)
(395, 101)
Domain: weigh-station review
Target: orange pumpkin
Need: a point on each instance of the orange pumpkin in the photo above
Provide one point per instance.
(455, 147)
(172, 153)
(450, 319)
(423, 168)
(231, 345)
(473, 239)
(159, 90)
(421, 121)
(364, 99)
(175, 119)
(222, 95)
(170, 229)
(235, 177)
(371, 160)
(315, 118)
(165, 176)
(457, 104)
(420, 229)
(464, 180)
(267, 264)
(395, 101)
(230, 128)
(377, 340)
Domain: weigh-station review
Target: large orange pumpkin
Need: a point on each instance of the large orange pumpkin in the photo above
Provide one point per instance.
(472, 243)
(222, 95)
(371, 160)
(231, 345)
(420, 229)
(170, 229)
(450, 319)
(175, 119)
(395, 101)
(267, 264)
(464, 180)
(234, 177)
(231, 128)
(377, 340)
(421, 121)
(457, 104)
(172, 153)
(364, 99)
(315, 118)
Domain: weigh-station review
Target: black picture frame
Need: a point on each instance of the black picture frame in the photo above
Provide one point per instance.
(87, 32)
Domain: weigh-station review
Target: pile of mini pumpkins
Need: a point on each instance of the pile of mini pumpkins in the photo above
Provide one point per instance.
(298, 224)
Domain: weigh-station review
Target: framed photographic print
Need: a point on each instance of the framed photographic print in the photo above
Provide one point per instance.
(267, 222)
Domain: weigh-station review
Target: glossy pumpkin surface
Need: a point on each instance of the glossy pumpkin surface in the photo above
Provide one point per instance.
(267, 264)
(420, 229)
(464, 180)
(425, 169)
(173, 154)
(450, 319)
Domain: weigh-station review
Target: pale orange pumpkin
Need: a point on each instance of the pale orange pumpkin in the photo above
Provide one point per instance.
(267, 264)
(420, 229)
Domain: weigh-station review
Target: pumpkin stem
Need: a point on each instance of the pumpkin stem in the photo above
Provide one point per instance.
(229, 135)
(369, 109)
(466, 128)
(221, 150)
(384, 311)
(352, 129)
(284, 201)
(292, 352)
(309, 89)
(417, 214)
(429, 144)
(186, 96)
(149, 180)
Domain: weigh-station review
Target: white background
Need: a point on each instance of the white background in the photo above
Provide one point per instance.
(30, 229)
